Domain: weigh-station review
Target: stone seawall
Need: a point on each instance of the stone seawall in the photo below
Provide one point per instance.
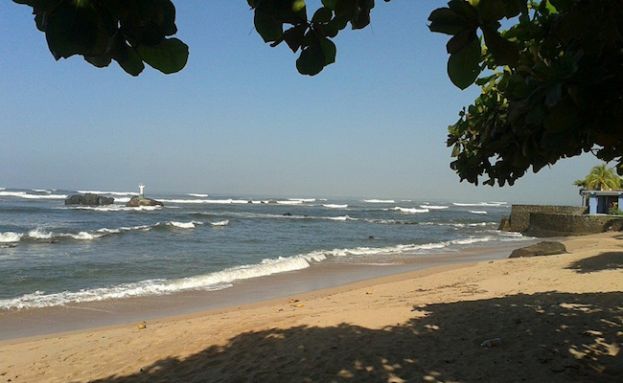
(520, 214)
(550, 225)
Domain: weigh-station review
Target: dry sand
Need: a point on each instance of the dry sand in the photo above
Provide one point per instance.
(547, 319)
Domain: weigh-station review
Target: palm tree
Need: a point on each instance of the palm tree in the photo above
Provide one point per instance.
(600, 178)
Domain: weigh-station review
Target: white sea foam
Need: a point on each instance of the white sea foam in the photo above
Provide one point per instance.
(114, 207)
(40, 234)
(341, 218)
(220, 223)
(379, 201)
(478, 211)
(10, 236)
(212, 281)
(492, 204)
(184, 225)
(410, 210)
(42, 191)
(31, 196)
(301, 199)
(335, 206)
(200, 195)
(227, 201)
(471, 240)
(113, 193)
(458, 225)
(290, 202)
(433, 207)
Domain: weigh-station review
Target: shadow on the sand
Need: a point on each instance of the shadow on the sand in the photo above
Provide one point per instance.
(547, 337)
(604, 261)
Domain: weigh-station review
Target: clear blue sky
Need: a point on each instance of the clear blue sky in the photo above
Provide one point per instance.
(239, 119)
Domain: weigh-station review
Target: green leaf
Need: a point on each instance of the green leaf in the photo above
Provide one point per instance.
(329, 4)
(456, 150)
(168, 57)
(328, 50)
(322, 15)
(267, 26)
(298, 5)
(504, 52)
(71, 31)
(294, 36)
(461, 40)
(445, 20)
(491, 10)
(98, 61)
(311, 61)
(464, 66)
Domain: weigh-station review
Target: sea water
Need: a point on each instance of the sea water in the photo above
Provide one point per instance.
(52, 254)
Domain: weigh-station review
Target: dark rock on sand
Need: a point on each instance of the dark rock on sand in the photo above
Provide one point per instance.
(142, 201)
(88, 199)
(539, 249)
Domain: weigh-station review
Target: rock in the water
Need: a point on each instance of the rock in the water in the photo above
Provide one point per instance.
(89, 199)
(539, 249)
(142, 201)
(505, 224)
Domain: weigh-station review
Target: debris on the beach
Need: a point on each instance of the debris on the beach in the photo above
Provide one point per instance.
(493, 342)
(293, 300)
(368, 292)
(142, 325)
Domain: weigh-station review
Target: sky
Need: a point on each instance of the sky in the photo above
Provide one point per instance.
(240, 120)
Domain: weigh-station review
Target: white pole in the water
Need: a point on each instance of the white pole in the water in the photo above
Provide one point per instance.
(141, 190)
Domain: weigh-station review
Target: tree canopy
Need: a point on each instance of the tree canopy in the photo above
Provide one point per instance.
(600, 178)
(550, 71)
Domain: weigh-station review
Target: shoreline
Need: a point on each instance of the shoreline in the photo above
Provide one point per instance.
(16, 325)
(551, 318)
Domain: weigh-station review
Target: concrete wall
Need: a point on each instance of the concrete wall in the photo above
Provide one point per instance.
(544, 224)
(520, 214)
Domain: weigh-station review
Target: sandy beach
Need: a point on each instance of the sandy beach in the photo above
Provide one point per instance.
(544, 319)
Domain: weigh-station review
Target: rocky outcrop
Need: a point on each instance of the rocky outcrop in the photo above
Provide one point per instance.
(88, 199)
(539, 249)
(505, 224)
(142, 201)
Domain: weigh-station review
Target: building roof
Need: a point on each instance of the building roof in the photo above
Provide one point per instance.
(605, 193)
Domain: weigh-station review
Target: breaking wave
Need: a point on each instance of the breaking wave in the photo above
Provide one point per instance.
(109, 208)
(31, 196)
(200, 195)
(379, 201)
(410, 210)
(10, 236)
(491, 204)
(40, 234)
(224, 278)
(335, 206)
(478, 211)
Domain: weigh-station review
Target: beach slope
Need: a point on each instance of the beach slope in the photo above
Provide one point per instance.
(544, 319)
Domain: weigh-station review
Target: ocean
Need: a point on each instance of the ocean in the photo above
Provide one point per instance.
(52, 254)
